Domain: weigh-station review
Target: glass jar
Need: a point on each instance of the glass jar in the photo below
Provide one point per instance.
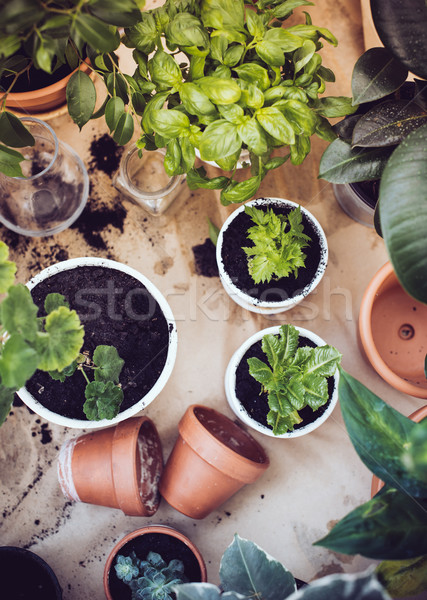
(53, 191)
(355, 203)
(144, 181)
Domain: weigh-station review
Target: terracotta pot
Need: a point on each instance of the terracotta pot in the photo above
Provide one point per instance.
(393, 333)
(152, 531)
(25, 574)
(211, 460)
(416, 416)
(42, 100)
(117, 467)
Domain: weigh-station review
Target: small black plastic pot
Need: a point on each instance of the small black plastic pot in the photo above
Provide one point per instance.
(26, 576)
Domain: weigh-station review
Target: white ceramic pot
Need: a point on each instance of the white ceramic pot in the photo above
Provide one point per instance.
(239, 410)
(73, 263)
(263, 306)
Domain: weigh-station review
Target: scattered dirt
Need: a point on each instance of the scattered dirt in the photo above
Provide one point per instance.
(105, 155)
(205, 259)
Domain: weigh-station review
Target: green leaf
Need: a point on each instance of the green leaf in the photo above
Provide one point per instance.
(169, 123)
(281, 424)
(9, 162)
(109, 364)
(323, 361)
(335, 106)
(270, 53)
(233, 55)
(360, 586)
(6, 399)
(173, 156)
(100, 36)
(253, 136)
(375, 75)
(391, 526)
(155, 103)
(260, 371)
(284, 9)
(402, 29)
(200, 591)
(103, 400)
(61, 341)
(274, 123)
(7, 269)
(242, 191)
(303, 55)
(213, 232)
(81, 98)
(283, 39)
(164, 69)
(117, 86)
(342, 164)
(54, 301)
(67, 372)
(232, 112)
(253, 73)
(143, 35)
(255, 24)
(274, 349)
(124, 16)
(403, 578)
(219, 90)
(223, 14)
(188, 154)
(300, 116)
(187, 30)
(124, 129)
(379, 434)
(9, 45)
(18, 362)
(403, 224)
(196, 178)
(13, 132)
(294, 391)
(19, 313)
(315, 391)
(114, 109)
(219, 139)
(195, 101)
(246, 569)
(414, 455)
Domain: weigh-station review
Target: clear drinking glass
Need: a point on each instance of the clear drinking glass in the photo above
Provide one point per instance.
(145, 181)
(53, 191)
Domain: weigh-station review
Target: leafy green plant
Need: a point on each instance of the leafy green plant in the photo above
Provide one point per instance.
(387, 137)
(247, 572)
(278, 241)
(294, 378)
(51, 343)
(392, 526)
(150, 579)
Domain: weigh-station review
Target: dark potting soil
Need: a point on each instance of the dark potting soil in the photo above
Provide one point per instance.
(167, 546)
(35, 79)
(205, 259)
(236, 262)
(115, 310)
(255, 402)
(24, 577)
(105, 155)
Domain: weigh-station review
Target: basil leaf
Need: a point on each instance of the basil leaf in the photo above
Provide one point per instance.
(169, 123)
(143, 35)
(220, 91)
(164, 69)
(274, 123)
(196, 178)
(223, 14)
(195, 101)
(270, 53)
(303, 55)
(253, 73)
(233, 55)
(187, 30)
(220, 139)
(188, 154)
(155, 103)
(239, 192)
(338, 106)
(253, 136)
(231, 112)
(283, 39)
(172, 160)
(255, 24)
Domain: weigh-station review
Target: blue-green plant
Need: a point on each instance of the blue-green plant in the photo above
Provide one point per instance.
(150, 579)
(294, 378)
(247, 573)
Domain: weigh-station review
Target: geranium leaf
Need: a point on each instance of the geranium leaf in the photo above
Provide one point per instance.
(61, 341)
(19, 313)
(18, 362)
(7, 269)
(103, 400)
(109, 364)
(54, 301)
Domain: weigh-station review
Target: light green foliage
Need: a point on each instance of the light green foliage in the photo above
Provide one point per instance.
(278, 243)
(7, 269)
(150, 579)
(294, 376)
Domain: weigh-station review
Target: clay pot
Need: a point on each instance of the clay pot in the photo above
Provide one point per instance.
(416, 416)
(24, 574)
(393, 333)
(117, 467)
(149, 538)
(211, 460)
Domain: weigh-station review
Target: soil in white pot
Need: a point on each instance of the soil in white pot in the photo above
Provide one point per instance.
(235, 259)
(256, 403)
(116, 310)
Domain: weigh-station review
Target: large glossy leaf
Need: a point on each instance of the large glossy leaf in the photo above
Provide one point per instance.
(359, 586)
(245, 568)
(388, 124)
(13, 132)
(9, 162)
(81, 98)
(414, 455)
(403, 578)
(402, 27)
(379, 434)
(403, 212)
(391, 526)
(100, 36)
(342, 164)
(108, 10)
(376, 74)
(219, 139)
(124, 129)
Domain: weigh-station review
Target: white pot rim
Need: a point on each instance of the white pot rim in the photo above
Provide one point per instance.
(239, 410)
(94, 261)
(242, 297)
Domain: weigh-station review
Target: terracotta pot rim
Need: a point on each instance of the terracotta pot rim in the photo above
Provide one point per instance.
(367, 340)
(162, 529)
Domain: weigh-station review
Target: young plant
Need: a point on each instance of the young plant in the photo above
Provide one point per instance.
(392, 526)
(247, 572)
(150, 579)
(294, 378)
(278, 241)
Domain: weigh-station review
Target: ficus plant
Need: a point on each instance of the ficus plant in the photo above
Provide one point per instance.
(247, 572)
(50, 343)
(392, 526)
(293, 377)
(387, 138)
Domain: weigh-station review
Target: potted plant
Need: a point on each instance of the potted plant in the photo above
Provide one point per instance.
(246, 571)
(271, 253)
(119, 307)
(283, 381)
(392, 328)
(117, 467)
(25, 574)
(211, 460)
(391, 526)
(149, 561)
(388, 142)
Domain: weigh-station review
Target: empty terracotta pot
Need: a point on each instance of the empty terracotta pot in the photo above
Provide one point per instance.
(393, 333)
(416, 416)
(117, 467)
(212, 459)
(166, 541)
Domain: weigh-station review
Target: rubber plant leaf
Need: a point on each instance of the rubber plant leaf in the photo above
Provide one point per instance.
(403, 212)
(402, 27)
(375, 75)
(245, 568)
(363, 586)
(403, 578)
(379, 434)
(340, 163)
